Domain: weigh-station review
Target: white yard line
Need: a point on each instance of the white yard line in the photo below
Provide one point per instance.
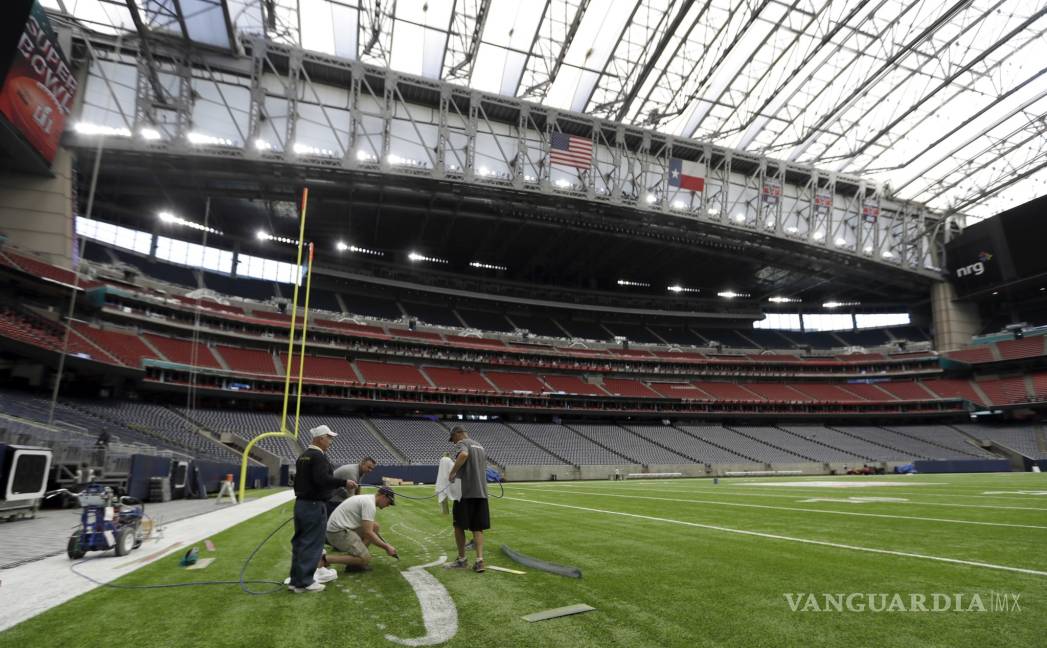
(725, 485)
(793, 493)
(796, 496)
(36, 587)
(810, 510)
(772, 536)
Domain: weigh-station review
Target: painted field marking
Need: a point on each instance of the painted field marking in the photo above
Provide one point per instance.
(772, 536)
(726, 491)
(837, 484)
(810, 510)
(439, 614)
(858, 500)
(1023, 492)
(925, 492)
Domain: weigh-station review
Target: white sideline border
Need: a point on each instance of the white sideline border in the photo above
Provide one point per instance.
(792, 497)
(813, 510)
(772, 536)
(706, 482)
(33, 588)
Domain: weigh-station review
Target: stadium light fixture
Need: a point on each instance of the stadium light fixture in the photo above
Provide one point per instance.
(770, 223)
(887, 254)
(819, 235)
(342, 246)
(150, 134)
(203, 139)
(171, 218)
(836, 304)
(562, 183)
(353, 248)
(784, 300)
(867, 249)
(486, 266)
(712, 211)
(679, 204)
(262, 145)
(651, 198)
(730, 294)
(677, 288)
(87, 128)
(739, 218)
(414, 256)
(840, 242)
(262, 235)
(364, 156)
(305, 149)
(634, 284)
(792, 229)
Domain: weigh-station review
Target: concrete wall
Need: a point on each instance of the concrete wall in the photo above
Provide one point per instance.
(36, 213)
(564, 472)
(954, 321)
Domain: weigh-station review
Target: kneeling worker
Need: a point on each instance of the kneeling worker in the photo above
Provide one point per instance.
(352, 527)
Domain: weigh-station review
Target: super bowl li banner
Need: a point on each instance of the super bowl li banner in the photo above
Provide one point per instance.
(38, 92)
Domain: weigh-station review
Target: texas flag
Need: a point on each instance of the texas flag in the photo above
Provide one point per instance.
(686, 175)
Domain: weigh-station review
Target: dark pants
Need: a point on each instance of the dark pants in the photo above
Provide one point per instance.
(307, 543)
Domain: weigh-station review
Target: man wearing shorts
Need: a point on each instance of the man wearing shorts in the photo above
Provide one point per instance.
(471, 512)
(352, 527)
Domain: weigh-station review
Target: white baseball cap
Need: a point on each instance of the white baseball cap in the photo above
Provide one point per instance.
(322, 430)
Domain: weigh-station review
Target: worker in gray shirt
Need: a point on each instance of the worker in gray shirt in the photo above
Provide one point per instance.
(471, 512)
(355, 472)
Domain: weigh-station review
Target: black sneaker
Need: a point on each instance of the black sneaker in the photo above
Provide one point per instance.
(460, 563)
(478, 566)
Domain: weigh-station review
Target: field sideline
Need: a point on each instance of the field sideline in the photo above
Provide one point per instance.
(665, 563)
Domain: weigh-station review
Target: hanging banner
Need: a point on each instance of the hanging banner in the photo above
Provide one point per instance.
(823, 203)
(771, 192)
(38, 92)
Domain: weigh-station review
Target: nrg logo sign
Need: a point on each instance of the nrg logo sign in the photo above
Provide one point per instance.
(977, 268)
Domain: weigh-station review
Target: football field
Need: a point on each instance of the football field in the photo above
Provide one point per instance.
(922, 560)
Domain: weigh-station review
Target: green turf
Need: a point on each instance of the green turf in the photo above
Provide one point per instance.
(652, 582)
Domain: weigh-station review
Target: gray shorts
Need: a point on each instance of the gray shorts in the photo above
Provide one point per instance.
(348, 541)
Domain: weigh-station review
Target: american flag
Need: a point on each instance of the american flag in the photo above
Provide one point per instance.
(568, 150)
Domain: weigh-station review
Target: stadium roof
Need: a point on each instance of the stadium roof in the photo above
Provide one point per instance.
(942, 102)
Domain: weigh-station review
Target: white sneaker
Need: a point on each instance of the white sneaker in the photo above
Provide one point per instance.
(287, 582)
(324, 575)
(315, 587)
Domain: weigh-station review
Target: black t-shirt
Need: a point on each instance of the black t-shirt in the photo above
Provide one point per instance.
(313, 478)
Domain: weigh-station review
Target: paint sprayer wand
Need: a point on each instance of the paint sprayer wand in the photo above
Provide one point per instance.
(395, 553)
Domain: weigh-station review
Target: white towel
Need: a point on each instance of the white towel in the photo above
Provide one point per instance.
(445, 489)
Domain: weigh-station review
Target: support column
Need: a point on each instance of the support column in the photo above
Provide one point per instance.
(36, 212)
(955, 321)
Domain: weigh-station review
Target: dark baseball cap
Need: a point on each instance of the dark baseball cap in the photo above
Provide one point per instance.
(450, 438)
(388, 492)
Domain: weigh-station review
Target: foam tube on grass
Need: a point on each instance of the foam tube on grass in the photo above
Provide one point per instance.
(543, 565)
